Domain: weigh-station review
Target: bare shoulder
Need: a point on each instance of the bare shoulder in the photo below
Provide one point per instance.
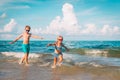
(21, 34)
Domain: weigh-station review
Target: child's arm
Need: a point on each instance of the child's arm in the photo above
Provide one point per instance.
(20, 36)
(37, 37)
(65, 47)
(51, 44)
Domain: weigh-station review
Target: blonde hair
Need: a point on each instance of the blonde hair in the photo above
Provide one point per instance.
(60, 36)
(27, 26)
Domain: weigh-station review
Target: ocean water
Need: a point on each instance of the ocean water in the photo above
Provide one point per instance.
(82, 53)
(86, 60)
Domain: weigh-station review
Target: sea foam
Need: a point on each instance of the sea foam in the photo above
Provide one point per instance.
(96, 53)
(19, 54)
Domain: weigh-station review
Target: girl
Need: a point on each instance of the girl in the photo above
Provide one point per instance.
(58, 56)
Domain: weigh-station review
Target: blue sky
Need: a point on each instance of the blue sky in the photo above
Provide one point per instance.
(74, 19)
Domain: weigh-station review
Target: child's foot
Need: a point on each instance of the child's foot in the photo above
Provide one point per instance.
(53, 66)
(27, 64)
(20, 62)
(59, 64)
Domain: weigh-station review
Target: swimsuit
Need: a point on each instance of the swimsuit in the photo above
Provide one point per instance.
(58, 48)
(57, 54)
(26, 48)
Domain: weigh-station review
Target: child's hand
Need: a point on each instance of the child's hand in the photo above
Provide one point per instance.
(11, 42)
(49, 45)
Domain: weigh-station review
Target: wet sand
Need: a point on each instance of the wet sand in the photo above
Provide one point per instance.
(14, 71)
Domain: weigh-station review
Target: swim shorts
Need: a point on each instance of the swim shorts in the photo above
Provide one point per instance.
(26, 48)
(56, 54)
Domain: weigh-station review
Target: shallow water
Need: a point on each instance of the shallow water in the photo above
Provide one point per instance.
(13, 71)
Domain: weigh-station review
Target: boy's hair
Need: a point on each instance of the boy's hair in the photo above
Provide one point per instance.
(60, 36)
(27, 27)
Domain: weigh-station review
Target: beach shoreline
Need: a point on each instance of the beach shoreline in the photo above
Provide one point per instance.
(14, 71)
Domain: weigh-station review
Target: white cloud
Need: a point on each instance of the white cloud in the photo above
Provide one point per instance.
(108, 30)
(69, 16)
(54, 27)
(68, 25)
(89, 29)
(6, 32)
(6, 36)
(36, 31)
(9, 27)
(116, 30)
(105, 29)
(3, 15)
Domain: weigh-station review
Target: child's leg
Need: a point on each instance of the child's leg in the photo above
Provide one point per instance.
(22, 59)
(55, 61)
(26, 58)
(26, 49)
(60, 60)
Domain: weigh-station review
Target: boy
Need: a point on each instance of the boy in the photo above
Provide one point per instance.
(26, 47)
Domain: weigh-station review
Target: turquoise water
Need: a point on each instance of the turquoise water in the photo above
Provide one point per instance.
(82, 53)
(40, 46)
